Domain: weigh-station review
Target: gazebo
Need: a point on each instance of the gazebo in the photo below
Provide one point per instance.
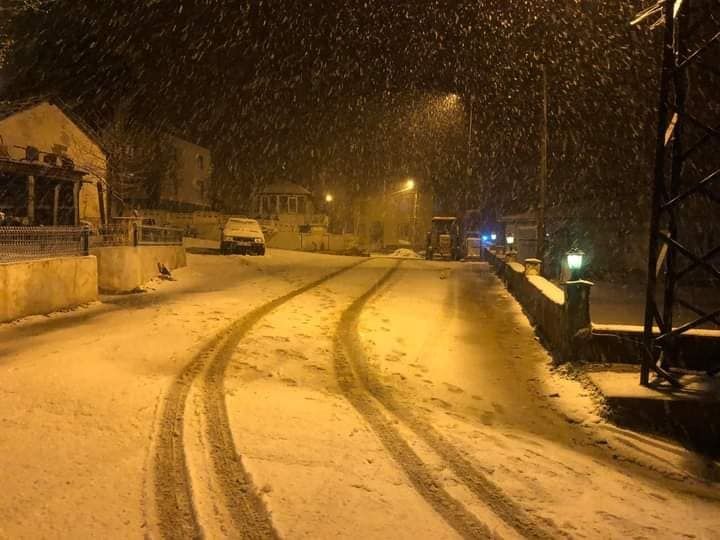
(283, 198)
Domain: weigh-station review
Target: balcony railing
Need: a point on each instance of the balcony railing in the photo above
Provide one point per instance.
(158, 236)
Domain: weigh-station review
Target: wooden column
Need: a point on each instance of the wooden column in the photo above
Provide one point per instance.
(76, 202)
(101, 203)
(31, 200)
(56, 203)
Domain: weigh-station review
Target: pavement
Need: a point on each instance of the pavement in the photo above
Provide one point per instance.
(303, 395)
(690, 413)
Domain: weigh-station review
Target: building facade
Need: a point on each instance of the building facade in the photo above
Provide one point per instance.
(52, 169)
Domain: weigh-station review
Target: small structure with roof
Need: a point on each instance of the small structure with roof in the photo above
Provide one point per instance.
(52, 169)
(289, 205)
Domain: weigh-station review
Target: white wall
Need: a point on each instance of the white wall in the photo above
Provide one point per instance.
(42, 286)
(126, 268)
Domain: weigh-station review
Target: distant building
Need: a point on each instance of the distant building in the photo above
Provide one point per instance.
(400, 219)
(288, 204)
(611, 245)
(161, 172)
(187, 189)
(52, 167)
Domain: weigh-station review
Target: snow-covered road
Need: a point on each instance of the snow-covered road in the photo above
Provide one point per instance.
(312, 396)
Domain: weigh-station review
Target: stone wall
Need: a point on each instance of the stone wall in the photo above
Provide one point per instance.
(126, 268)
(42, 286)
(542, 301)
(570, 335)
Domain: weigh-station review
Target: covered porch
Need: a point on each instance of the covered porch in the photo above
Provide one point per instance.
(33, 193)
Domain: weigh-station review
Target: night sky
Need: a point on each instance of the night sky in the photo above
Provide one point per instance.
(343, 92)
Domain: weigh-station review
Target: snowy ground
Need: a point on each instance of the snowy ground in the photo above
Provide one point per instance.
(399, 398)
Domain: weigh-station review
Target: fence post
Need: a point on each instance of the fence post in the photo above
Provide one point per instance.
(577, 312)
(135, 234)
(532, 267)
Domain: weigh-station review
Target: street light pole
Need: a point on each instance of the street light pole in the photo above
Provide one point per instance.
(540, 244)
(414, 226)
(469, 138)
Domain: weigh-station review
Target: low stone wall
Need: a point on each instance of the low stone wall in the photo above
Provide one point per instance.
(311, 242)
(38, 287)
(571, 336)
(542, 300)
(126, 268)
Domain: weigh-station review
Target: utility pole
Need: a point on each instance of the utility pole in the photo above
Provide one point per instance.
(469, 139)
(540, 244)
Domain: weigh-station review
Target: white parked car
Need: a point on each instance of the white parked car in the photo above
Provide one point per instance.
(242, 235)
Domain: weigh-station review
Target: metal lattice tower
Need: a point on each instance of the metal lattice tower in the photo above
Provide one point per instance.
(685, 221)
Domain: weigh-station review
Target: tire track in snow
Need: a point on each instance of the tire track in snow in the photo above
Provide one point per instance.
(346, 364)
(176, 512)
(362, 388)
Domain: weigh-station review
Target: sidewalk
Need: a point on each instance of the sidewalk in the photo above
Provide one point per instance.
(690, 413)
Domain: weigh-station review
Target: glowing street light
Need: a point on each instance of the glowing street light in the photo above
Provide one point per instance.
(410, 184)
(493, 237)
(575, 263)
(509, 240)
(328, 198)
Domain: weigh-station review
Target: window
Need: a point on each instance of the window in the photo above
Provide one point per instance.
(283, 204)
(292, 205)
(265, 205)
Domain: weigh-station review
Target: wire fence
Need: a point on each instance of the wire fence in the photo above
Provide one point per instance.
(112, 235)
(23, 243)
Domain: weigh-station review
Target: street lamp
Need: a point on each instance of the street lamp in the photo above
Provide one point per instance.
(510, 240)
(493, 237)
(328, 198)
(575, 263)
(409, 184)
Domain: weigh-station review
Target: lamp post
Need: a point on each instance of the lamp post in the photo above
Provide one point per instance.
(509, 249)
(575, 263)
(328, 201)
(410, 186)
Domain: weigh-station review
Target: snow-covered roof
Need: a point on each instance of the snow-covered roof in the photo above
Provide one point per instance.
(284, 188)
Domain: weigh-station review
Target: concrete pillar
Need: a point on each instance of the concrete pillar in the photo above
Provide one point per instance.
(532, 267)
(31, 200)
(577, 306)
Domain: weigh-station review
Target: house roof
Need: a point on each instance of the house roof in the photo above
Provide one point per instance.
(284, 188)
(9, 108)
